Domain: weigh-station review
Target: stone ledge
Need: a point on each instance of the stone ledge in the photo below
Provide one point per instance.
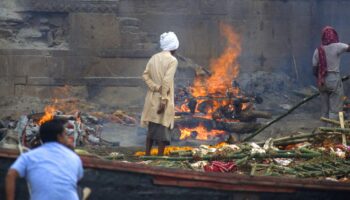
(88, 81)
(96, 81)
(91, 6)
(99, 52)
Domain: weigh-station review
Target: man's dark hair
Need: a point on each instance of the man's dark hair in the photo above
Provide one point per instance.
(50, 130)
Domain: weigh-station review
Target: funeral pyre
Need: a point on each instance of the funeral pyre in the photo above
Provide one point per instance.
(214, 105)
(82, 128)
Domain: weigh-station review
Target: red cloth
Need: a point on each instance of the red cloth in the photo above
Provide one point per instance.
(218, 166)
(329, 36)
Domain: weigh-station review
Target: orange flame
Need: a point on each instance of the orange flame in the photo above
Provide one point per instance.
(224, 69)
(202, 132)
(49, 114)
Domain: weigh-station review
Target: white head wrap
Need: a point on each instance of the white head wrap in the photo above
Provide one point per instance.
(169, 41)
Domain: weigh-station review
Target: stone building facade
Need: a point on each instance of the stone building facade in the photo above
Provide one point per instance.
(100, 47)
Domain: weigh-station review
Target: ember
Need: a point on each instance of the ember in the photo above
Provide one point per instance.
(200, 133)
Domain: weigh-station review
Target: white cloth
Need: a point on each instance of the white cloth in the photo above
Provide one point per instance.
(169, 41)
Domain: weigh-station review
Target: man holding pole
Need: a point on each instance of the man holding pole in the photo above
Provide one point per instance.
(326, 61)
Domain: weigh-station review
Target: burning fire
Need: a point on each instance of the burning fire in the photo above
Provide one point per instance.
(49, 114)
(224, 70)
(199, 132)
(62, 102)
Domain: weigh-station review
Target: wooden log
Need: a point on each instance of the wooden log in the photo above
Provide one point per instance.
(247, 115)
(182, 113)
(251, 115)
(256, 114)
(191, 122)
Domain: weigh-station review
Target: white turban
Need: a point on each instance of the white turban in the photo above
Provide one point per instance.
(169, 41)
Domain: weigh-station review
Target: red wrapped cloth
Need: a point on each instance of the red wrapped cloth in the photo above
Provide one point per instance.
(218, 166)
(329, 36)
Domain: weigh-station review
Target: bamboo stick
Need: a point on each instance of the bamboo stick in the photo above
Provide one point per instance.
(235, 156)
(335, 122)
(333, 129)
(341, 120)
(252, 172)
(165, 158)
(290, 138)
(293, 141)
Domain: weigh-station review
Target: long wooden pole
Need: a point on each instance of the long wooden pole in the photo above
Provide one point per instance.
(345, 78)
(280, 117)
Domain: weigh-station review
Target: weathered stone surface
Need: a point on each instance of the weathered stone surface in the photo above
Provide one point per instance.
(129, 21)
(130, 29)
(3, 66)
(5, 33)
(75, 67)
(29, 33)
(107, 6)
(214, 7)
(119, 67)
(168, 6)
(48, 92)
(90, 81)
(28, 65)
(118, 97)
(92, 30)
(6, 91)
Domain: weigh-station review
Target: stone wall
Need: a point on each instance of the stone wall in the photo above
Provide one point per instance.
(101, 47)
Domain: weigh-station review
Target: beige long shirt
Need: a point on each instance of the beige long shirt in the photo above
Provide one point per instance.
(160, 71)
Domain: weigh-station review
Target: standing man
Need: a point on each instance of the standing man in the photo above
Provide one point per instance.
(325, 61)
(52, 170)
(159, 111)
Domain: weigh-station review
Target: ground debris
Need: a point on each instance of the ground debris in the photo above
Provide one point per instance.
(303, 155)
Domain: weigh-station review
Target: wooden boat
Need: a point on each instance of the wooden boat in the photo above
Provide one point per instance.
(122, 180)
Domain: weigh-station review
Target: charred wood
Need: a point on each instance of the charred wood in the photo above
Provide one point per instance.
(252, 115)
(192, 122)
(248, 115)
(205, 106)
(192, 105)
(238, 127)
